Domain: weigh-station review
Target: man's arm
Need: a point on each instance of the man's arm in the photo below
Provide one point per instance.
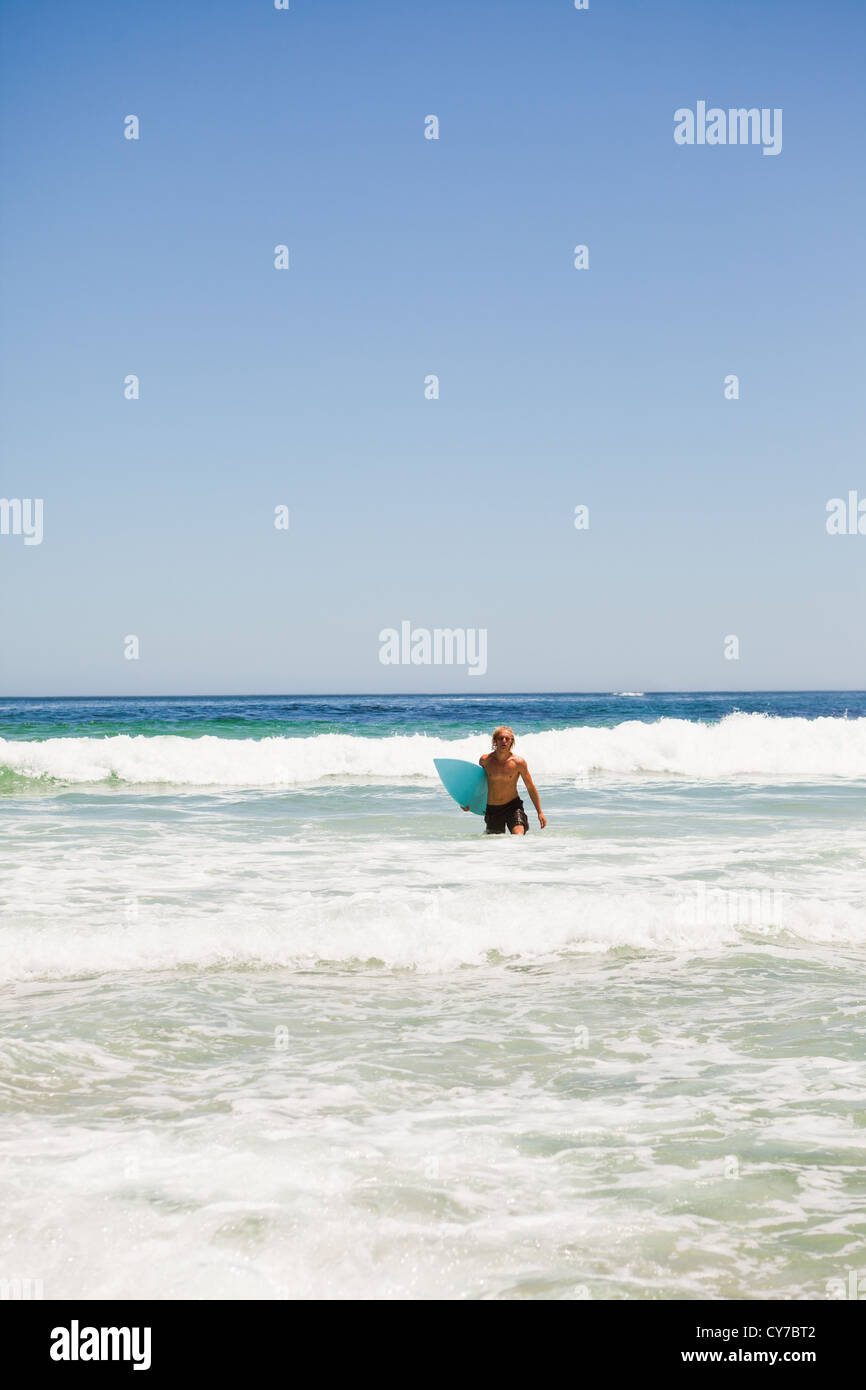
(526, 776)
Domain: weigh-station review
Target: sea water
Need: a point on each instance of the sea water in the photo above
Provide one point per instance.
(278, 1021)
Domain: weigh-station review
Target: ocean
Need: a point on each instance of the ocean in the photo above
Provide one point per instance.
(279, 1021)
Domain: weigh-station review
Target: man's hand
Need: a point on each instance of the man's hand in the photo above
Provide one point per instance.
(542, 819)
(464, 808)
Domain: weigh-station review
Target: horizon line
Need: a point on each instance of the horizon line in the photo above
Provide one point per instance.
(449, 694)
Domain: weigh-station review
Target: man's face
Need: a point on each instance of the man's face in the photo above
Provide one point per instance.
(502, 742)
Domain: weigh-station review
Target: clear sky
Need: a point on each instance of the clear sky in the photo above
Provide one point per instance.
(411, 257)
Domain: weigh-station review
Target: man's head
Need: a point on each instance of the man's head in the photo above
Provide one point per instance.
(503, 739)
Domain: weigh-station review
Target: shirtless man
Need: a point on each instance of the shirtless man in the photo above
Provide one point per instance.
(503, 768)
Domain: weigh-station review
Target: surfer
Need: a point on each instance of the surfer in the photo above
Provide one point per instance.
(503, 768)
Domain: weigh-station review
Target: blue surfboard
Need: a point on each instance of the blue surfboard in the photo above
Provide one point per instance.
(466, 782)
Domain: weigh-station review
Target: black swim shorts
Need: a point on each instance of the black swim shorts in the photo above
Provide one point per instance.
(510, 813)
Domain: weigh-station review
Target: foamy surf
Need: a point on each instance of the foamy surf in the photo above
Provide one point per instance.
(430, 931)
(739, 746)
(431, 1063)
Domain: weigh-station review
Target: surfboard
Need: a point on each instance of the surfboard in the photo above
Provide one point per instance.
(466, 782)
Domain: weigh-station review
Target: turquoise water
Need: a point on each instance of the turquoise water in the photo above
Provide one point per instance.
(279, 1022)
(251, 716)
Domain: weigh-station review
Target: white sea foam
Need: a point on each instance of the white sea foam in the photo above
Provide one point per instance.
(334, 1042)
(432, 933)
(746, 746)
(206, 900)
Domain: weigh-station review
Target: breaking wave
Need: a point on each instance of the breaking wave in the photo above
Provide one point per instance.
(750, 746)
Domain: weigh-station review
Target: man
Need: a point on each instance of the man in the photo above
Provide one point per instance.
(504, 806)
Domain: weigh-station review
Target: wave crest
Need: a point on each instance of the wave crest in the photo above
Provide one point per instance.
(747, 746)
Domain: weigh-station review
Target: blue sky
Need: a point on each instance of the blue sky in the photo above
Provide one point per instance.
(411, 257)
